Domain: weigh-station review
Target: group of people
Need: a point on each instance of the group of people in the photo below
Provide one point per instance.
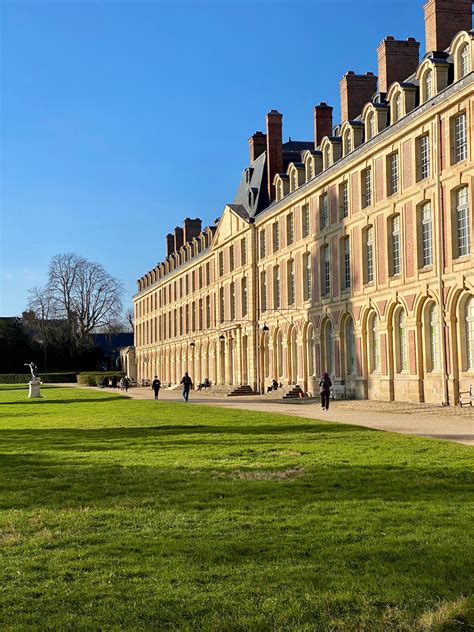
(113, 382)
(325, 385)
(186, 383)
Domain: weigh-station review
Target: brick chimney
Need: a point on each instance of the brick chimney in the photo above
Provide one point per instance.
(257, 145)
(398, 59)
(274, 149)
(178, 238)
(356, 91)
(443, 19)
(169, 244)
(322, 122)
(191, 229)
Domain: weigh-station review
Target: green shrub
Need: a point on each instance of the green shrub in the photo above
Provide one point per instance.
(94, 378)
(49, 378)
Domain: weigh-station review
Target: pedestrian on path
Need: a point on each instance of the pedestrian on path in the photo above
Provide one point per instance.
(187, 386)
(155, 386)
(325, 390)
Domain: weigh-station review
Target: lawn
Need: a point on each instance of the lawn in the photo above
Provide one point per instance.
(119, 514)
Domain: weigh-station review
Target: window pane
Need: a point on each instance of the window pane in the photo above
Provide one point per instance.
(460, 138)
(463, 224)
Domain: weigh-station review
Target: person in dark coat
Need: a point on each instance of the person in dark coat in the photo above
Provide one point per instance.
(325, 390)
(155, 386)
(187, 386)
(114, 381)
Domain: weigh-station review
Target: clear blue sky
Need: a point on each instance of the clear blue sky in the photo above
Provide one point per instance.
(119, 119)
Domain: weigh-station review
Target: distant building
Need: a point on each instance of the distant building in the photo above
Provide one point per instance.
(350, 253)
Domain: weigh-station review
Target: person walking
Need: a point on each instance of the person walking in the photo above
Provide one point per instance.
(155, 386)
(187, 386)
(325, 390)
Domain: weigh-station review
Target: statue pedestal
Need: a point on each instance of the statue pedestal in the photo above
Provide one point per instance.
(35, 386)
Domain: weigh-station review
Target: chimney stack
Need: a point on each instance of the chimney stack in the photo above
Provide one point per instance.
(398, 59)
(274, 149)
(356, 91)
(257, 144)
(169, 244)
(178, 238)
(191, 229)
(322, 122)
(443, 19)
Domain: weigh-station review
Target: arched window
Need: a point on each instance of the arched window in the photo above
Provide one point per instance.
(464, 61)
(310, 350)
(327, 157)
(469, 314)
(428, 85)
(433, 339)
(347, 142)
(369, 128)
(402, 345)
(374, 344)
(329, 348)
(350, 347)
(293, 356)
(397, 107)
(279, 354)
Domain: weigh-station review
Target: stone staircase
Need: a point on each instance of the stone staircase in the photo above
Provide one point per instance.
(293, 393)
(242, 391)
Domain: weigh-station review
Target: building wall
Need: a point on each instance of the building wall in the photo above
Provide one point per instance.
(410, 357)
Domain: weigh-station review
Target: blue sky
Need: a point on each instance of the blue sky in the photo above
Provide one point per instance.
(119, 119)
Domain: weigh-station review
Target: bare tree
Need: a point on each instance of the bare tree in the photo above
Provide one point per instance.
(80, 293)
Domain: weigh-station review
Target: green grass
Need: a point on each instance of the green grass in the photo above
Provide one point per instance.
(119, 514)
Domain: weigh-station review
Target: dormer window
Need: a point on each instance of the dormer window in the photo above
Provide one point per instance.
(397, 108)
(347, 142)
(428, 85)
(248, 175)
(327, 157)
(464, 61)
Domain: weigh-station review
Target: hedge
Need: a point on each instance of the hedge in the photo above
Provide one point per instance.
(51, 378)
(95, 378)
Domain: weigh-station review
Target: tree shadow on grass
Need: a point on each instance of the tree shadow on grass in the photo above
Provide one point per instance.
(30, 481)
(78, 400)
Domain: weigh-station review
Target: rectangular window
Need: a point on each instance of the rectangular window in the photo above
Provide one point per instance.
(369, 255)
(263, 290)
(393, 174)
(346, 264)
(208, 273)
(366, 188)
(290, 269)
(323, 211)
(290, 229)
(305, 221)
(243, 252)
(307, 277)
(200, 277)
(423, 151)
(460, 138)
(395, 235)
(221, 263)
(426, 232)
(462, 222)
(276, 236)
(208, 312)
(244, 297)
(344, 200)
(221, 305)
(232, 301)
(263, 249)
(232, 257)
(325, 271)
(276, 286)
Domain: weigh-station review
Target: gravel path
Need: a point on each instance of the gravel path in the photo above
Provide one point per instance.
(426, 420)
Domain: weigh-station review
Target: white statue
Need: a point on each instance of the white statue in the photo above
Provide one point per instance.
(35, 382)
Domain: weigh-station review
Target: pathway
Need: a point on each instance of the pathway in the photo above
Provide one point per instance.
(425, 420)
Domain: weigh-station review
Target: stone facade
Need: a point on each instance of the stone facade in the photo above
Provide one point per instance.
(350, 253)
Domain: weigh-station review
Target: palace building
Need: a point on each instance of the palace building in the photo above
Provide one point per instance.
(350, 253)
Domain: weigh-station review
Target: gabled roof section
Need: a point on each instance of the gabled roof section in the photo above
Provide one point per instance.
(252, 195)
